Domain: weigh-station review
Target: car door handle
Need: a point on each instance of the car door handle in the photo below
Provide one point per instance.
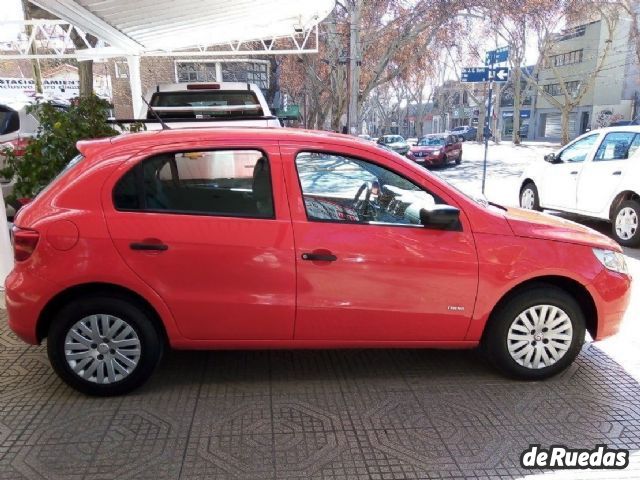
(157, 247)
(617, 172)
(319, 257)
(575, 172)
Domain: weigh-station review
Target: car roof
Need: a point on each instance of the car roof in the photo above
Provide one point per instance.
(221, 133)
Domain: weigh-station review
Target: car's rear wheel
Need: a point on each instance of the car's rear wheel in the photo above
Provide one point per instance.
(103, 345)
(529, 198)
(625, 223)
(536, 333)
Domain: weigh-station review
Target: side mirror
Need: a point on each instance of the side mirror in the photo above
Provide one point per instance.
(442, 217)
(551, 158)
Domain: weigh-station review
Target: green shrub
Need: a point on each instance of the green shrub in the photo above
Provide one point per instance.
(55, 143)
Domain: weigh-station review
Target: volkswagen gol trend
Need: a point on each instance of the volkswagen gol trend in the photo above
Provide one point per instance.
(275, 238)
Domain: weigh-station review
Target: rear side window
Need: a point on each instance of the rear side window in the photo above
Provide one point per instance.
(9, 120)
(617, 146)
(206, 104)
(234, 183)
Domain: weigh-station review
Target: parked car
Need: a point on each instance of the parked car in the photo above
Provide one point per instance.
(436, 149)
(276, 238)
(597, 175)
(185, 105)
(17, 127)
(465, 132)
(394, 142)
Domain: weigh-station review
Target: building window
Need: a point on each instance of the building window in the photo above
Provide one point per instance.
(555, 89)
(572, 33)
(250, 72)
(562, 59)
(256, 72)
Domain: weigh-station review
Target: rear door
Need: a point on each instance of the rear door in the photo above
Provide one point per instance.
(208, 228)
(600, 178)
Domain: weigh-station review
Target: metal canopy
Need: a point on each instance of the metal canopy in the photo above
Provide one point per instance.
(170, 27)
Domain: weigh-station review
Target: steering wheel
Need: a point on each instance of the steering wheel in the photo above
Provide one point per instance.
(363, 205)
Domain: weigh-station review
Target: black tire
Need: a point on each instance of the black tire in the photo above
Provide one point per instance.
(495, 339)
(530, 186)
(634, 239)
(459, 159)
(150, 341)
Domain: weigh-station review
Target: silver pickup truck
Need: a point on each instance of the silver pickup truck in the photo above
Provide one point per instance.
(184, 105)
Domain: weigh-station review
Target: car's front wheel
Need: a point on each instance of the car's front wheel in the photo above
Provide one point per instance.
(536, 333)
(459, 159)
(625, 223)
(103, 345)
(529, 197)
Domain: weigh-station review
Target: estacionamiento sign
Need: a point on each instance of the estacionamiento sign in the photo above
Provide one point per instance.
(54, 87)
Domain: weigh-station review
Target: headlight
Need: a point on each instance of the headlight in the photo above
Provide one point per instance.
(613, 261)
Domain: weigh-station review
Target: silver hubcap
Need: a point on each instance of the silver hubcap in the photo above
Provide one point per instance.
(528, 199)
(626, 223)
(102, 349)
(540, 336)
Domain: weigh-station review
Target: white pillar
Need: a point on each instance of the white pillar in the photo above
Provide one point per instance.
(136, 86)
(218, 72)
(6, 253)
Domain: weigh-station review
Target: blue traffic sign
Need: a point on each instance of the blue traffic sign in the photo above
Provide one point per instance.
(475, 74)
(499, 55)
(484, 74)
(500, 74)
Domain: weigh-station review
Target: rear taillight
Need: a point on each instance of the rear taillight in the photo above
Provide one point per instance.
(19, 146)
(24, 243)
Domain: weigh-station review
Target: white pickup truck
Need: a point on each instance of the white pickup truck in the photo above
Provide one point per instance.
(597, 175)
(184, 105)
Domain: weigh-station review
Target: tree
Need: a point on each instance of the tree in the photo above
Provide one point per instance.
(393, 35)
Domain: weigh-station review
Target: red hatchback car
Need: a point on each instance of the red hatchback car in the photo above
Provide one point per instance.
(437, 149)
(275, 238)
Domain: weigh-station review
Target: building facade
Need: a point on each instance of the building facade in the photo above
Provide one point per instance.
(613, 95)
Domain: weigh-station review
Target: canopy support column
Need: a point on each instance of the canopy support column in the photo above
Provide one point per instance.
(135, 84)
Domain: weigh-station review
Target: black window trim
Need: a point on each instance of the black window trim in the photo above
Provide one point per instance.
(457, 228)
(139, 180)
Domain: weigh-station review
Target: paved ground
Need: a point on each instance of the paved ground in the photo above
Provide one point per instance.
(366, 414)
(363, 414)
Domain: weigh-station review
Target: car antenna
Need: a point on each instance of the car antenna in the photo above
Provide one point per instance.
(155, 114)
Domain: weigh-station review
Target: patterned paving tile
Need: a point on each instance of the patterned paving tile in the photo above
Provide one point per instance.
(333, 415)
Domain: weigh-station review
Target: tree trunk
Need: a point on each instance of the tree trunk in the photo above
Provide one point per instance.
(85, 72)
(517, 94)
(565, 112)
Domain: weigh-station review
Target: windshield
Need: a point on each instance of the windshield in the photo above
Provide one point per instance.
(205, 104)
(431, 141)
(72, 163)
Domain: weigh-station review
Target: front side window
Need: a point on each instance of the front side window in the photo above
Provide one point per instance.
(234, 183)
(343, 189)
(578, 151)
(617, 146)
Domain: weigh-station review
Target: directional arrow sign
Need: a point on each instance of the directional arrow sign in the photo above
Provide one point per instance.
(475, 74)
(500, 74)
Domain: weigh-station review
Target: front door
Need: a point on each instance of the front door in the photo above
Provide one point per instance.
(559, 186)
(600, 178)
(200, 227)
(367, 269)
